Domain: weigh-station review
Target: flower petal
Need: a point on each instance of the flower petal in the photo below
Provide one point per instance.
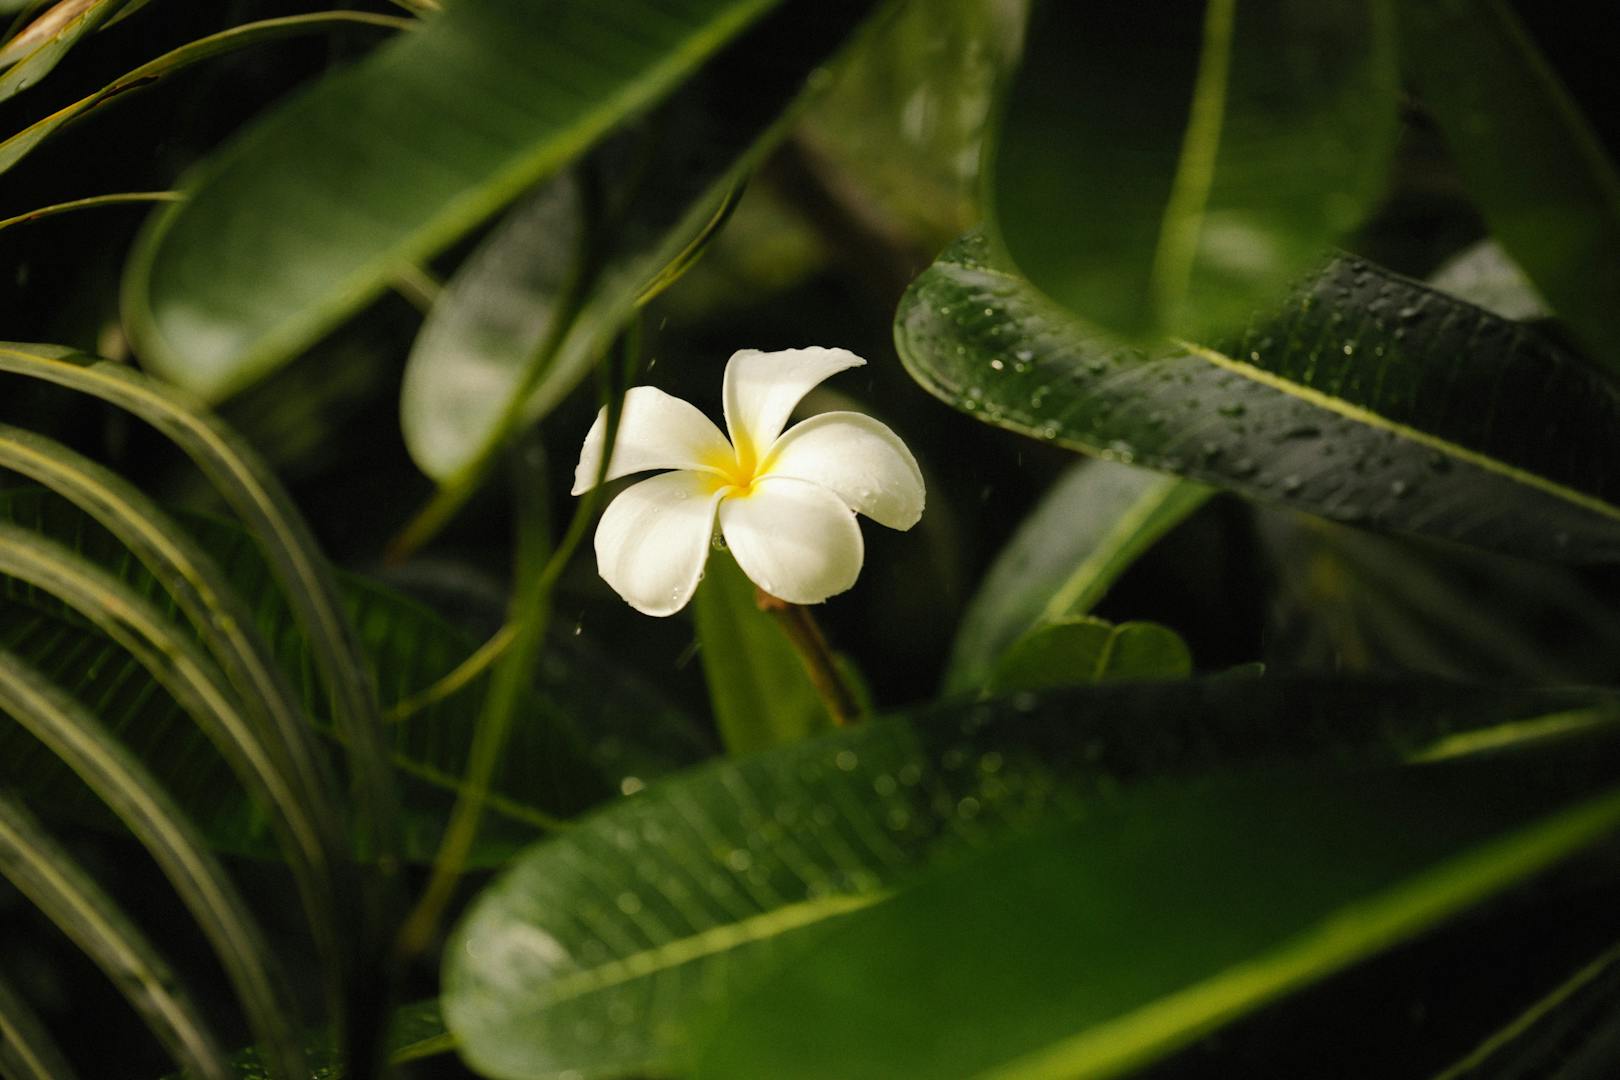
(794, 539)
(654, 538)
(859, 459)
(761, 390)
(656, 431)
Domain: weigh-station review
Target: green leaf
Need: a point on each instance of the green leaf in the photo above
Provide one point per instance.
(1356, 601)
(1097, 945)
(27, 1051)
(1567, 1034)
(66, 894)
(601, 953)
(20, 145)
(250, 488)
(38, 47)
(1366, 398)
(430, 135)
(1170, 172)
(71, 734)
(757, 683)
(497, 319)
(1075, 651)
(485, 360)
(549, 773)
(1537, 170)
(93, 202)
(1094, 523)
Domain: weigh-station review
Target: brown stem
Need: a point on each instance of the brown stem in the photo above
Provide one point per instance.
(819, 663)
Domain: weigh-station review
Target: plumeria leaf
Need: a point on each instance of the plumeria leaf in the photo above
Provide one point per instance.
(554, 769)
(1074, 953)
(757, 683)
(602, 952)
(1529, 158)
(1094, 523)
(18, 146)
(500, 93)
(1167, 174)
(1366, 398)
(1075, 651)
(486, 360)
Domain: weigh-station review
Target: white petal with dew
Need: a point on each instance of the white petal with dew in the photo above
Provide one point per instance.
(859, 459)
(761, 389)
(794, 539)
(654, 538)
(656, 431)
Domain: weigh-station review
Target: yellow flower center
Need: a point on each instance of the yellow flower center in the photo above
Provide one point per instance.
(739, 470)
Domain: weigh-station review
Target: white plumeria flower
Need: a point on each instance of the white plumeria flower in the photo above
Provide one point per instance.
(786, 501)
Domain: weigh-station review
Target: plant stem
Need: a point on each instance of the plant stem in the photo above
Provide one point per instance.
(819, 663)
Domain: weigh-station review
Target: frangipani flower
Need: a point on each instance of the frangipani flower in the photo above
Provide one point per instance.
(785, 501)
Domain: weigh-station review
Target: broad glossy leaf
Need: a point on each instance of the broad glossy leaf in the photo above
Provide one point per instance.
(490, 326)
(1168, 171)
(757, 684)
(18, 146)
(1366, 398)
(1097, 945)
(600, 953)
(549, 773)
(1096, 521)
(38, 47)
(1538, 171)
(1076, 651)
(485, 363)
(307, 214)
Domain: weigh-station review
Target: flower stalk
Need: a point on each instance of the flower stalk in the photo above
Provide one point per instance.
(819, 662)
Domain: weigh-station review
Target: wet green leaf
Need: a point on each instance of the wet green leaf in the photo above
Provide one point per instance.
(602, 952)
(1365, 397)
(1096, 945)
